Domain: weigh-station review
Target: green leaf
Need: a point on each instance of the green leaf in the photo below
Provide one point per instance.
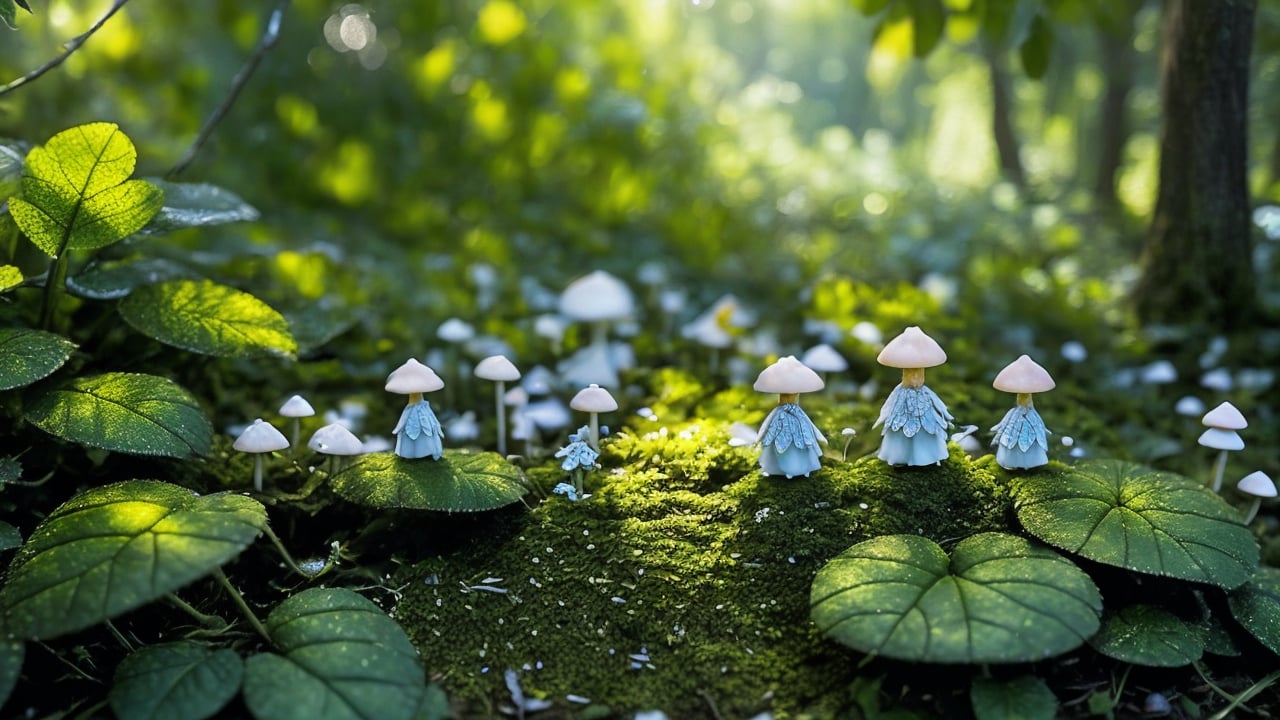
(114, 548)
(1256, 607)
(29, 355)
(10, 537)
(10, 470)
(997, 599)
(1148, 635)
(927, 19)
(1025, 697)
(1133, 517)
(10, 277)
(460, 481)
(77, 194)
(340, 657)
(188, 205)
(8, 13)
(125, 412)
(180, 679)
(12, 155)
(1037, 48)
(116, 279)
(205, 317)
(12, 652)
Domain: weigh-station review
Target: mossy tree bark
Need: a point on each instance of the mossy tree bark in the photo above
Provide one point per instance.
(1197, 264)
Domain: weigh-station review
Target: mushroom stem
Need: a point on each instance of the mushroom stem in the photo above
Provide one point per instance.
(1218, 469)
(595, 431)
(1253, 510)
(297, 431)
(257, 472)
(599, 333)
(499, 390)
(1024, 399)
(913, 377)
(415, 398)
(785, 398)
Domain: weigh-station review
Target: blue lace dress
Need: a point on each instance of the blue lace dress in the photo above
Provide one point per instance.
(418, 434)
(790, 442)
(915, 427)
(1022, 440)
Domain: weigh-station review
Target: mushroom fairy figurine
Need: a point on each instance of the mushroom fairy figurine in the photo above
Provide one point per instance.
(418, 434)
(260, 438)
(594, 399)
(1022, 440)
(296, 408)
(501, 371)
(1258, 485)
(1223, 422)
(788, 438)
(915, 419)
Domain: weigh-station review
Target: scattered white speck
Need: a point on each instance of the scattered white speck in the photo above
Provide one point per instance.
(586, 533)
(1074, 351)
(591, 546)
(535, 561)
(791, 559)
(1159, 372)
(619, 600)
(1077, 452)
(577, 699)
(862, 506)
(539, 663)
(1068, 441)
(761, 514)
(1189, 405)
(1217, 379)
(650, 715)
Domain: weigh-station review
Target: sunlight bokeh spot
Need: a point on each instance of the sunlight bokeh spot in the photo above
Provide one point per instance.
(305, 272)
(500, 22)
(437, 65)
(296, 114)
(875, 203)
(348, 174)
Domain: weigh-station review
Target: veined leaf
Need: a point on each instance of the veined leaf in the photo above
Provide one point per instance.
(1023, 698)
(1148, 635)
(1256, 606)
(124, 412)
(77, 194)
(205, 317)
(189, 205)
(340, 657)
(998, 598)
(113, 280)
(12, 652)
(10, 277)
(459, 481)
(12, 154)
(114, 548)
(29, 355)
(10, 538)
(181, 679)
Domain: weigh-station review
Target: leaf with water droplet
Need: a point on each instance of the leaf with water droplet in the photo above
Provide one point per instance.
(29, 355)
(1256, 606)
(1148, 635)
(460, 481)
(205, 317)
(180, 679)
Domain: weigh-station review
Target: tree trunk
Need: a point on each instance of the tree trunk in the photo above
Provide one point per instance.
(1197, 264)
(1113, 126)
(1002, 121)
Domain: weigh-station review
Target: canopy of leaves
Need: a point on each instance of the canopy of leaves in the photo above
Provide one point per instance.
(124, 412)
(1131, 516)
(114, 548)
(998, 598)
(208, 318)
(339, 656)
(29, 355)
(181, 679)
(460, 481)
(1148, 635)
(77, 194)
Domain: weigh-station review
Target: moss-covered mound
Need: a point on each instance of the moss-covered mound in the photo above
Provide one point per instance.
(681, 583)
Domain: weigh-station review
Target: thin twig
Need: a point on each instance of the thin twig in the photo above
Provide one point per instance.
(265, 43)
(71, 46)
(240, 603)
(212, 622)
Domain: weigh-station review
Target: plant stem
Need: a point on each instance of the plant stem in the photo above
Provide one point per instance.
(1218, 469)
(1246, 696)
(71, 46)
(55, 284)
(498, 392)
(288, 559)
(240, 603)
(213, 622)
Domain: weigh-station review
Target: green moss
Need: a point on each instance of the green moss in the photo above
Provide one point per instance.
(683, 579)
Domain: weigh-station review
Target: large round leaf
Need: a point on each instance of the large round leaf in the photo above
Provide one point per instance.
(1148, 635)
(1133, 517)
(1023, 698)
(181, 679)
(460, 481)
(114, 548)
(998, 598)
(340, 657)
(205, 317)
(1256, 607)
(77, 194)
(28, 355)
(125, 412)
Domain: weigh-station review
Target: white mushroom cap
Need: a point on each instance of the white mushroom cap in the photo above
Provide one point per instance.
(334, 439)
(1258, 484)
(788, 376)
(1221, 439)
(1023, 375)
(598, 296)
(261, 437)
(455, 331)
(912, 349)
(593, 398)
(413, 377)
(297, 407)
(824, 358)
(497, 367)
(538, 381)
(516, 396)
(1225, 417)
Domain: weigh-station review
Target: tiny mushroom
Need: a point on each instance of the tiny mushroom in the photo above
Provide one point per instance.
(1223, 421)
(259, 438)
(915, 419)
(824, 359)
(1258, 485)
(297, 408)
(501, 371)
(335, 440)
(788, 438)
(1021, 438)
(594, 399)
(418, 433)
(598, 298)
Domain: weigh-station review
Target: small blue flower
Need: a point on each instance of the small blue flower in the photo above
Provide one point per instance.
(566, 489)
(578, 454)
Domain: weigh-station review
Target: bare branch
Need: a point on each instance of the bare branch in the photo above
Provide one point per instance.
(265, 43)
(71, 46)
